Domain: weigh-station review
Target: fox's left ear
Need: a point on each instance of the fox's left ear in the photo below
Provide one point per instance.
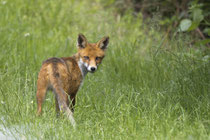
(103, 43)
(81, 41)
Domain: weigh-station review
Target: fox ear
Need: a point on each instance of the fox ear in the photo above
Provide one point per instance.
(81, 41)
(103, 43)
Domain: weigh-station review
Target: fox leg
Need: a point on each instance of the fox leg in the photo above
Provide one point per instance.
(73, 101)
(63, 104)
(41, 92)
(57, 106)
(62, 100)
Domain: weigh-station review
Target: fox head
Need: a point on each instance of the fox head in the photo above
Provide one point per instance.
(91, 54)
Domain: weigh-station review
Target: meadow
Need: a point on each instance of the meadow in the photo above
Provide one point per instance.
(148, 86)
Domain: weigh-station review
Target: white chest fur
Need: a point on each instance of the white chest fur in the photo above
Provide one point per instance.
(82, 67)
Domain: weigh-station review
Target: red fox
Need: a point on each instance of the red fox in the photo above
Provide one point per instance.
(65, 75)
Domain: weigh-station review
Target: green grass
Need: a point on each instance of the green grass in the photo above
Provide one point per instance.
(144, 89)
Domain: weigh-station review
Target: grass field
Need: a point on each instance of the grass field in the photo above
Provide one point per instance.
(148, 87)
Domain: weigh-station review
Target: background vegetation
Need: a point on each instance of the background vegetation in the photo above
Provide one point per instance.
(151, 85)
(190, 16)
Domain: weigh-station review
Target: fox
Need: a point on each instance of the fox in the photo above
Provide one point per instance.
(65, 75)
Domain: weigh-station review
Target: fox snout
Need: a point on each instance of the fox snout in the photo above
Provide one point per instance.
(92, 68)
(92, 65)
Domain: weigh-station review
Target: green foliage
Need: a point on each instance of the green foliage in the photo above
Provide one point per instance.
(185, 24)
(195, 18)
(196, 15)
(147, 87)
(174, 15)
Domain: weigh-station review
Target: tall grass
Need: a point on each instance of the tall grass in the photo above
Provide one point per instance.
(144, 89)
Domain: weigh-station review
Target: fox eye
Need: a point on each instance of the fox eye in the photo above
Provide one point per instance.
(98, 58)
(86, 57)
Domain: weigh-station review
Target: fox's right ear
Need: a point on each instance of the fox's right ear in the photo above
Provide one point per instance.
(103, 43)
(81, 41)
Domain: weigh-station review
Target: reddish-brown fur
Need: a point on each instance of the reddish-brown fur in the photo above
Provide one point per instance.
(64, 76)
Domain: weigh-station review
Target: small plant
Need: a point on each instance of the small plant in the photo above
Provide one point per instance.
(197, 16)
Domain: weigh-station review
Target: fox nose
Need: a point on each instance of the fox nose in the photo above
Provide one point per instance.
(92, 69)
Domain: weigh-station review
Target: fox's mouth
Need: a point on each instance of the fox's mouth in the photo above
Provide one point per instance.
(91, 71)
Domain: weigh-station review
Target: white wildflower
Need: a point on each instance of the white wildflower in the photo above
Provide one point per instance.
(4, 2)
(27, 34)
(2, 102)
